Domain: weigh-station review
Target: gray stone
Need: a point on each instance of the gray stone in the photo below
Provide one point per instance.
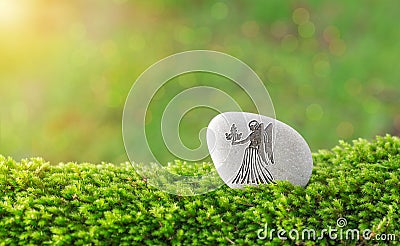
(250, 149)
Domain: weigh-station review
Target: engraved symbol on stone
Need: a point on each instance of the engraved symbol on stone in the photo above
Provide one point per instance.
(257, 156)
(253, 149)
(233, 135)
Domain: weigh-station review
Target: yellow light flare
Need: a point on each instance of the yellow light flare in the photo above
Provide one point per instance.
(12, 13)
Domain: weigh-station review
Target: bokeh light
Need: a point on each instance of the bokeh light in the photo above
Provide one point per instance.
(301, 16)
(345, 129)
(314, 112)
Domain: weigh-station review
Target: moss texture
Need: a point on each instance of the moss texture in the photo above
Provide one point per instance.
(110, 204)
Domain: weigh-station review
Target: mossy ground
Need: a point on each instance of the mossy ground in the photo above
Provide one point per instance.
(110, 204)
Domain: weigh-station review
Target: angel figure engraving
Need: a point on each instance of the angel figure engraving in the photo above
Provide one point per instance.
(257, 156)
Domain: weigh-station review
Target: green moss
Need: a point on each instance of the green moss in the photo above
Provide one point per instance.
(110, 204)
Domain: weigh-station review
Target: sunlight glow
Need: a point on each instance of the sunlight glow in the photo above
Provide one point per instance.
(12, 13)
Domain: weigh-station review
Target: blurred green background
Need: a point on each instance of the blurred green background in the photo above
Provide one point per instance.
(332, 67)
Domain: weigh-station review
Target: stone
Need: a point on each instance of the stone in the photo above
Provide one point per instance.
(252, 149)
